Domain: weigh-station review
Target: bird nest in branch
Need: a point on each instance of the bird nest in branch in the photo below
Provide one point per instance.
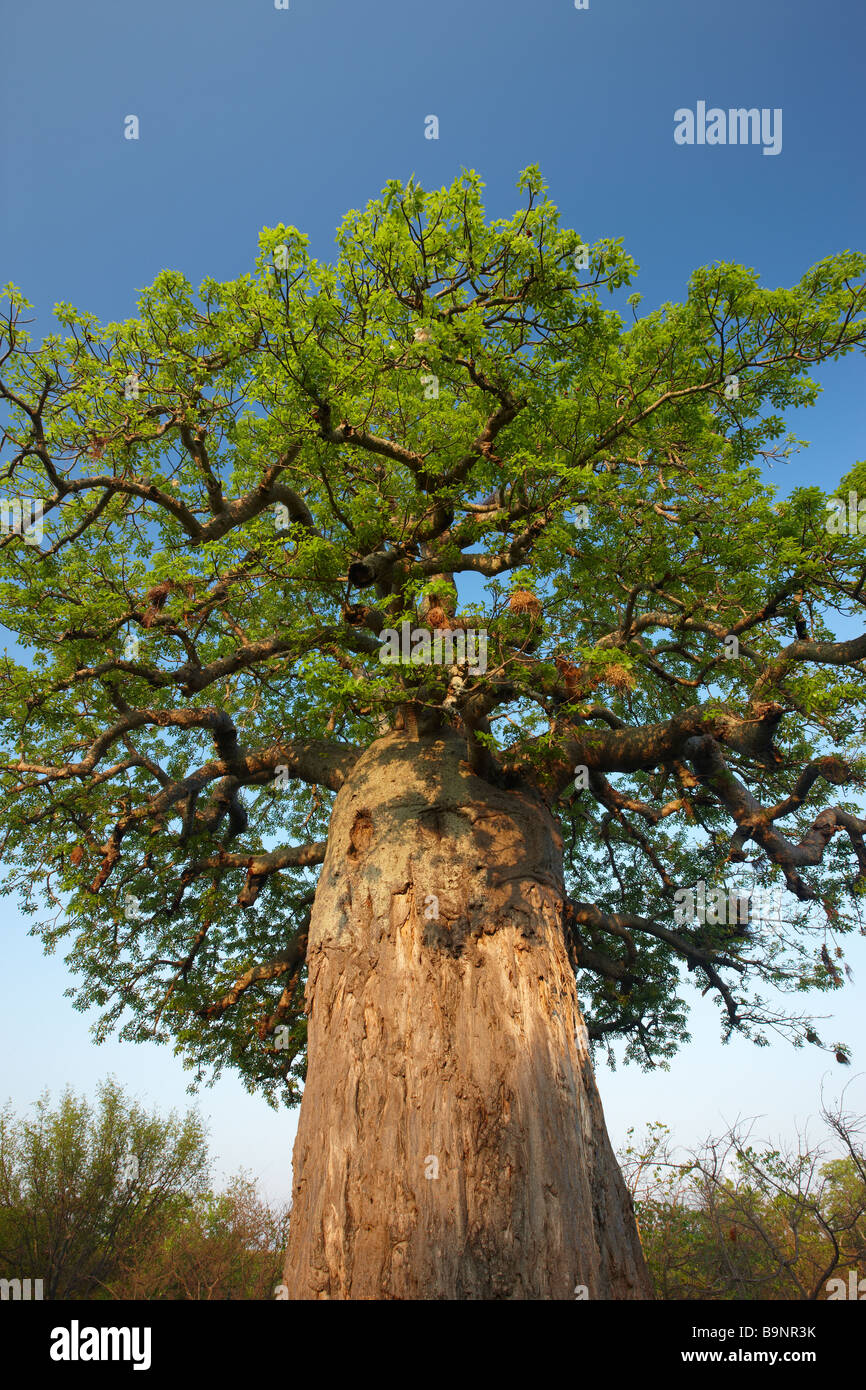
(524, 601)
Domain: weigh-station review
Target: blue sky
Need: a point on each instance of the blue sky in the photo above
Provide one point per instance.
(250, 116)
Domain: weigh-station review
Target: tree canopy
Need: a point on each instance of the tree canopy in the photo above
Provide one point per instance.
(461, 423)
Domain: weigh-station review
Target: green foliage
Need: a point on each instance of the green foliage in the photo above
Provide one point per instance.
(214, 467)
(81, 1185)
(226, 1245)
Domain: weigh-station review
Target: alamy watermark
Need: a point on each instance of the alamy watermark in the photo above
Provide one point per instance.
(22, 516)
(736, 126)
(21, 1289)
(716, 907)
(77, 1343)
(443, 647)
(854, 1289)
(846, 521)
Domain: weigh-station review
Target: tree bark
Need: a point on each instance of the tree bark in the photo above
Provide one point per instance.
(451, 1142)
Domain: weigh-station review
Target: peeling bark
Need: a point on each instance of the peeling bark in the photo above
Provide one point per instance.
(451, 1142)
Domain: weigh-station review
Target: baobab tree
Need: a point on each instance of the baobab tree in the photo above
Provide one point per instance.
(399, 639)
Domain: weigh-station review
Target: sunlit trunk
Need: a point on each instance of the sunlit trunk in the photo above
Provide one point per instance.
(451, 1141)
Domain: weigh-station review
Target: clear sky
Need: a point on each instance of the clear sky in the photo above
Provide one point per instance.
(250, 116)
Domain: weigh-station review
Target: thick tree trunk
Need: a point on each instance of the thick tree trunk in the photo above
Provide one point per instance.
(451, 1141)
